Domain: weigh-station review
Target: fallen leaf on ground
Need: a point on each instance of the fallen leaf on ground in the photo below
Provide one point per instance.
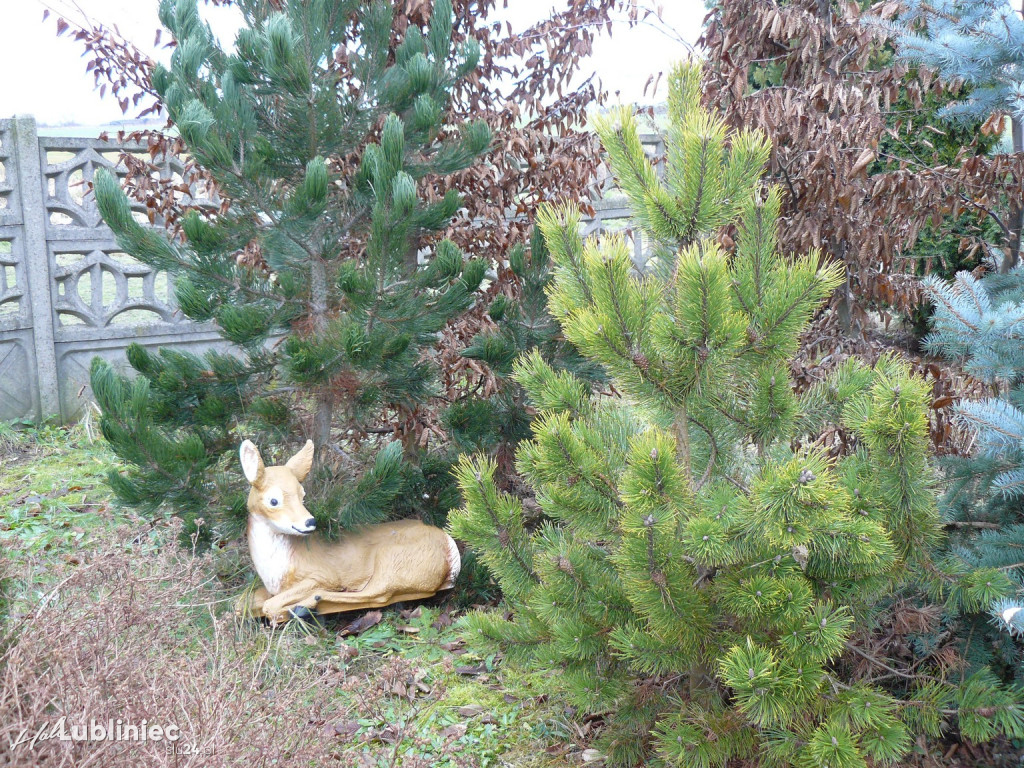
(362, 623)
(346, 728)
(347, 652)
(456, 731)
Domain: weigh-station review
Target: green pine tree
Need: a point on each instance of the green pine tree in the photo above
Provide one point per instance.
(699, 581)
(318, 130)
(521, 323)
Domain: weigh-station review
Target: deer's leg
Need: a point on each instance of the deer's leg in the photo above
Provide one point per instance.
(275, 608)
(250, 604)
(324, 602)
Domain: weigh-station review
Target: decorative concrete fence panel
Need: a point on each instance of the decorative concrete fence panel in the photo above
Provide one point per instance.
(67, 294)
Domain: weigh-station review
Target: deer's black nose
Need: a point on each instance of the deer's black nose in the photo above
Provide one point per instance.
(311, 523)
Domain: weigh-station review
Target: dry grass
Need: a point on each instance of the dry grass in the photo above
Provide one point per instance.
(121, 636)
(141, 632)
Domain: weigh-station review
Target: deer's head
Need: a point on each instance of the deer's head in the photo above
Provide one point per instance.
(276, 493)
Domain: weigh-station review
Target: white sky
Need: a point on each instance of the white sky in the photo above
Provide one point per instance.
(44, 76)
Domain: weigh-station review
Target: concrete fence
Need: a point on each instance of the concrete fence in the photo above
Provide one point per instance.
(67, 294)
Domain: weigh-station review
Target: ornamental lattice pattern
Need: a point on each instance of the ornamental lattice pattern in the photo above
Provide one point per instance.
(94, 284)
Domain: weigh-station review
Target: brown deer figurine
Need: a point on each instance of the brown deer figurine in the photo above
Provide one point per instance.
(368, 568)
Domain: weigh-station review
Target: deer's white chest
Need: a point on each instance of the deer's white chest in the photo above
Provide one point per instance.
(271, 554)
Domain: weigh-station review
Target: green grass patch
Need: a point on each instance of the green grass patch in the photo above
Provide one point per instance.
(52, 491)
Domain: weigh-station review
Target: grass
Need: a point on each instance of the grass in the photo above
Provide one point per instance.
(88, 581)
(52, 491)
(432, 711)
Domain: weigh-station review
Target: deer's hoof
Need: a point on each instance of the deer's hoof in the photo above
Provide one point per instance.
(303, 614)
(277, 618)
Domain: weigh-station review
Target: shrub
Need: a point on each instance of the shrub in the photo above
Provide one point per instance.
(701, 583)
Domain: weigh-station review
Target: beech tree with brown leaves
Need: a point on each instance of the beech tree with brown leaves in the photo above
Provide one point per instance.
(981, 43)
(846, 128)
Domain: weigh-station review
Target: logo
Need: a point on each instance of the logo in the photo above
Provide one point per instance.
(94, 731)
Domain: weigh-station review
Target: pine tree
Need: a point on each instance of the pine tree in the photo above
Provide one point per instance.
(981, 43)
(698, 580)
(520, 322)
(320, 130)
(981, 323)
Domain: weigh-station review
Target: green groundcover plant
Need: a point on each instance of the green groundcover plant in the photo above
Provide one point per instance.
(706, 565)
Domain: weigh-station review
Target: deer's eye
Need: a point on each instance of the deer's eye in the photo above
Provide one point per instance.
(274, 502)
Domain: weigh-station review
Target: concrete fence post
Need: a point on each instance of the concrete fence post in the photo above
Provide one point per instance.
(26, 156)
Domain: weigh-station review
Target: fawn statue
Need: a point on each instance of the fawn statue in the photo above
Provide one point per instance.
(304, 573)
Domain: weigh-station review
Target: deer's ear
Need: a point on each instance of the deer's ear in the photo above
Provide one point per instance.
(302, 462)
(252, 462)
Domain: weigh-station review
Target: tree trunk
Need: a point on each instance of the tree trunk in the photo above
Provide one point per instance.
(701, 684)
(682, 430)
(1016, 204)
(324, 414)
(846, 304)
(411, 259)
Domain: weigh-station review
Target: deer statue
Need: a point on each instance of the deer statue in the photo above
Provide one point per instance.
(304, 574)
